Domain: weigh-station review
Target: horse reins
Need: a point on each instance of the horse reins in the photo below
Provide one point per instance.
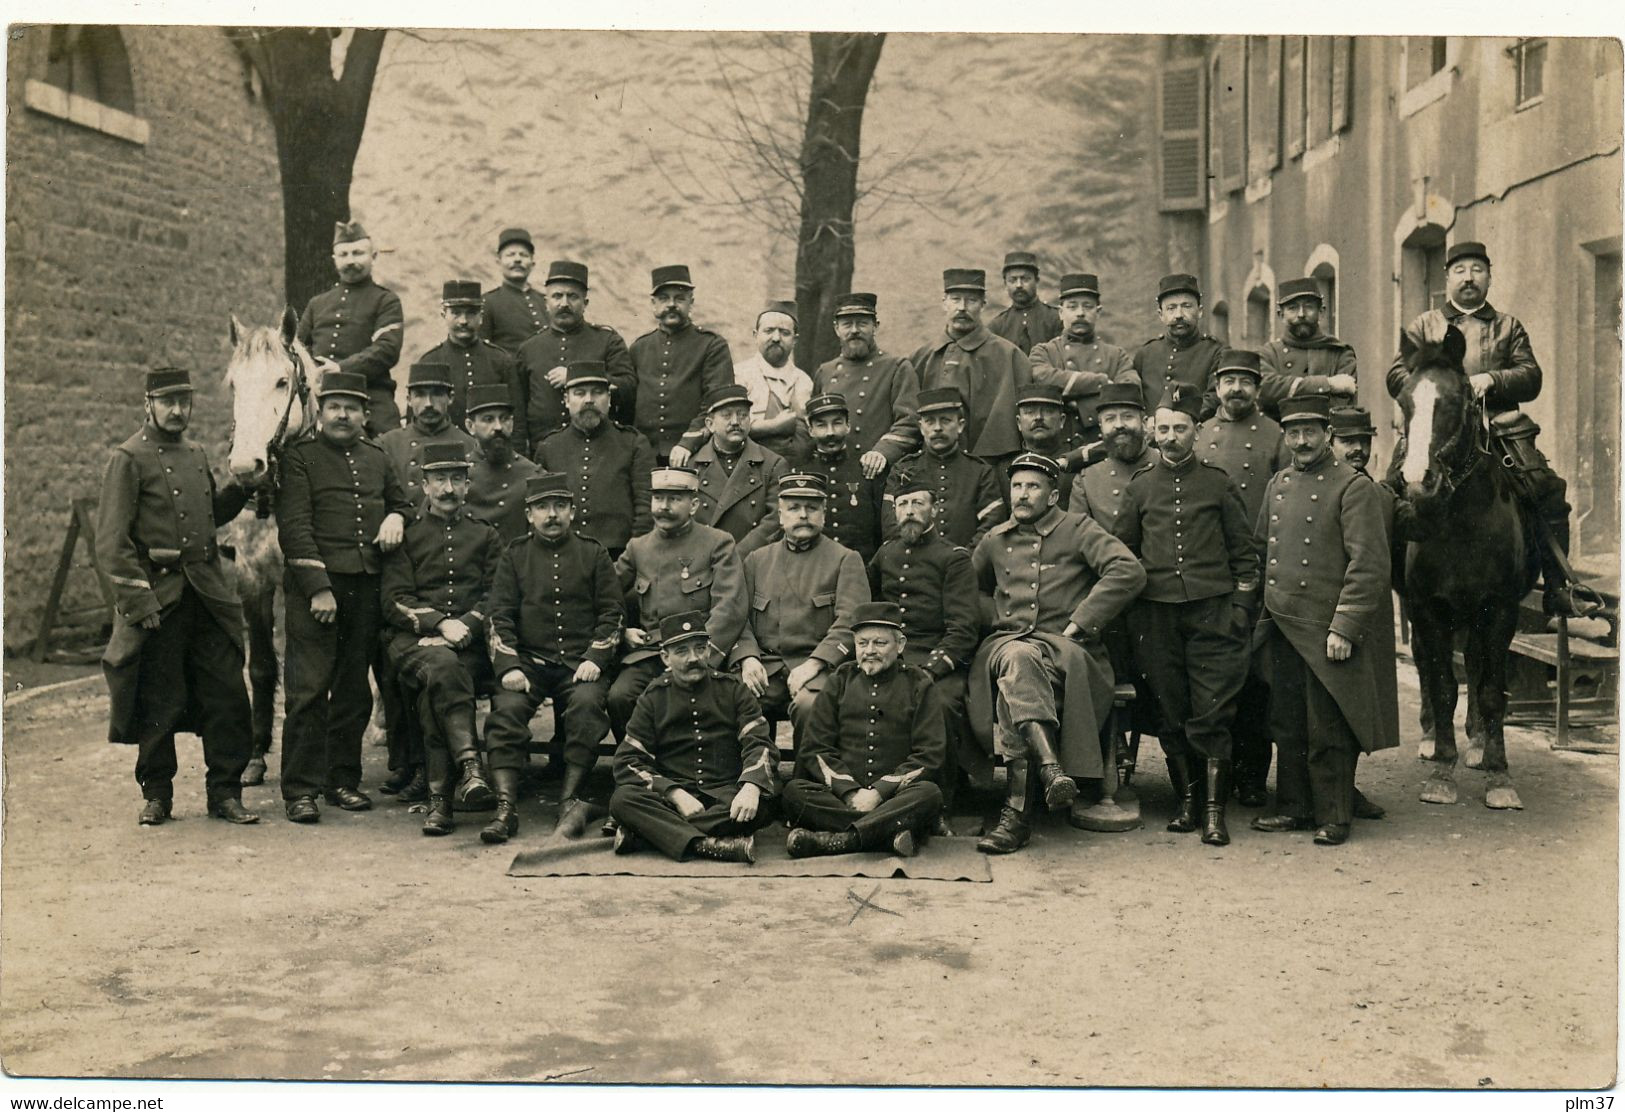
(298, 388)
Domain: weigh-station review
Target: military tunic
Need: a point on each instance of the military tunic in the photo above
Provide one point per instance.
(608, 472)
(675, 370)
(404, 446)
(512, 316)
(360, 327)
(1160, 361)
(1080, 368)
(1249, 450)
(968, 495)
(737, 501)
(853, 513)
(481, 363)
(497, 494)
(155, 524)
(882, 393)
(1103, 486)
(1293, 369)
(541, 410)
(988, 371)
(709, 740)
(1029, 327)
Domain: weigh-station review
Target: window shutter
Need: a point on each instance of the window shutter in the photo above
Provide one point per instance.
(1233, 64)
(1292, 79)
(1342, 81)
(1181, 112)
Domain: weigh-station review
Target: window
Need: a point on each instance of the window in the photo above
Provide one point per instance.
(1318, 93)
(1292, 90)
(1428, 68)
(1422, 272)
(91, 62)
(1425, 55)
(1221, 322)
(1529, 64)
(1259, 314)
(1230, 150)
(1263, 105)
(1326, 275)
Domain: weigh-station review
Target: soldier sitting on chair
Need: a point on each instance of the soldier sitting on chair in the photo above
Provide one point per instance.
(696, 769)
(872, 744)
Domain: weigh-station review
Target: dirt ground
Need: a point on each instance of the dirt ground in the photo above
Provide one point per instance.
(1442, 947)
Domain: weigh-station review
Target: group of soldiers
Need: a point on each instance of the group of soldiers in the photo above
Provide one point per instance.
(919, 562)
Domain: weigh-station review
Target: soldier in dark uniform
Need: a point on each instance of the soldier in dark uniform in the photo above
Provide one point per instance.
(987, 370)
(695, 773)
(555, 619)
(1028, 321)
(434, 590)
(1183, 517)
(874, 742)
(357, 325)
(513, 311)
(339, 509)
(803, 592)
(932, 584)
(1183, 353)
(968, 498)
(471, 360)
(1122, 430)
(1248, 445)
(677, 365)
(1327, 626)
(428, 403)
(880, 390)
(496, 482)
(544, 359)
(739, 479)
(679, 566)
(1305, 360)
(175, 659)
(1077, 360)
(607, 464)
(1041, 418)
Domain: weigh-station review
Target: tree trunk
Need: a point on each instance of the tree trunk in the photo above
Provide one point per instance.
(319, 120)
(842, 66)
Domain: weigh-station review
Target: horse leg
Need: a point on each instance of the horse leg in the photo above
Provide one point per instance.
(1492, 637)
(1438, 679)
(262, 677)
(1477, 658)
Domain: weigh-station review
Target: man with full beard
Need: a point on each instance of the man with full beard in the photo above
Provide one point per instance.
(428, 402)
(677, 366)
(1077, 360)
(1183, 353)
(778, 388)
(1028, 321)
(496, 481)
(607, 464)
(987, 370)
(881, 390)
(967, 495)
(567, 337)
(471, 360)
(1305, 361)
(513, 311)
(1122, 430)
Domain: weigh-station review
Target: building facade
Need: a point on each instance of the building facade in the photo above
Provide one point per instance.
(1355, 160)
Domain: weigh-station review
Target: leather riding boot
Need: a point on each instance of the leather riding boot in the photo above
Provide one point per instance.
(1557, 598)
(820, 843)
(1214, 832)
(740, 848)
(437, 774)
(505, 823)
(1179, 774)
(1059, 788)
(1013, 830)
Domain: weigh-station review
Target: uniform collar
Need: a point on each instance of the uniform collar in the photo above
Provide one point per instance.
(603, 427)
(521, 288)
(677, 534)
(1224, 414)
(1184, 466)
(808, 546)
(361, 285)
(971, 340)
(1045, 525)
(474, 343)
(1328, 459)
(832, 458)
(1484, 312)
(428, 514)
(154, 433)
(580, 325)
(1168, 337)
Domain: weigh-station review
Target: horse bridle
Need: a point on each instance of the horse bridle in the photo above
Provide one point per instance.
(298, 391)
(1455, 464)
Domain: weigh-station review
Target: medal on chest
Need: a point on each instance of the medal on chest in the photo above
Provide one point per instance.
(853, 489)
(685, 564)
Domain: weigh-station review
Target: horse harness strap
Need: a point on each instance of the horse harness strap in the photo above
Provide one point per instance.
(298, 389)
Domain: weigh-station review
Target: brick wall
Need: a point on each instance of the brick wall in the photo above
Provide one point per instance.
(120, 256)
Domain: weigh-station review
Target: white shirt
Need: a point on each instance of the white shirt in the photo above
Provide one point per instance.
(773, 389)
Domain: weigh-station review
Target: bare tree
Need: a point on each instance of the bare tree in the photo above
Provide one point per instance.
(319, 116)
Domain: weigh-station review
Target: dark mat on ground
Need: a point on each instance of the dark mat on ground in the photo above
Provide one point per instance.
(938, 859)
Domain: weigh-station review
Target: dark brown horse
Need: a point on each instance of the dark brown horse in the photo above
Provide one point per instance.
(1469, 564)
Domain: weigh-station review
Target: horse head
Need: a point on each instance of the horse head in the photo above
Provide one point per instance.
(272, 379)
(1441, 417)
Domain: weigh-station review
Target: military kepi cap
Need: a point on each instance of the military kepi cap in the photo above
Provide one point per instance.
(682, 627)
(488, 396)
(1311, 407)
(1120, 393)
(445, 457)
(662, 276)
(168, 380)
(514, 235)
(1040, 393)
(820, 404)
(788, 308)
(1467, 249)
(940, 398)
(878, 614)
(1014, 259)
(1352, 420)
(1181, 397)
(586, 372)
(1234, 361)
(675, 480)
(1178, 283)
(960, 278)
(428, 374)
(801, 485)
(1073, 285)
(1294, 288)
(1034, 461)
(461, 291)
(342, 384)
(725, 395)
(547, 484)
(563, 270)
(348, 231)
(856, 305)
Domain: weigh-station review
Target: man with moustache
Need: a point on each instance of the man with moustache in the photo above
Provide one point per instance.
(803, 591)
(678, 567)
(852, 516)
(1048, 581)
(934, 588)
(357, 326)
(881, 390)
(1122, 430)
(1502, 371)
(496, 480)
(471, 360)
(1327, 627)
(987, 370)
(176, 653)
(678, 365)
(428, 403)
(1078, 361)
(874, 741)
(555, 619)
(1028, 321)
(568, 337)
(1305, 361)
(739, 479)
(1041, 418)
(965, 490)
(1183, 353)
(513, 311)
(695, 773)
(1184, 518)
(607, 464)
(778, 388)
(434, 590)
(339, 510)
